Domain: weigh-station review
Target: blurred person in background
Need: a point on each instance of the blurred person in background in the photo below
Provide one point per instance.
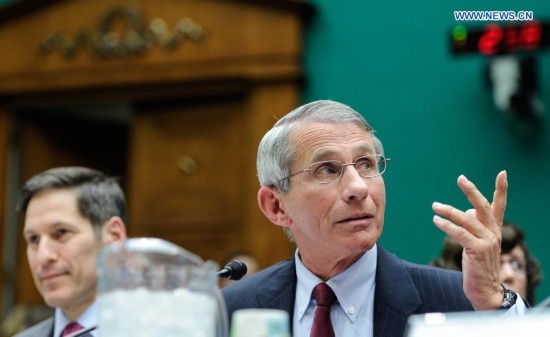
(519, 270)
(70, 214)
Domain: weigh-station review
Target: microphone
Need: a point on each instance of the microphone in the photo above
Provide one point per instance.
(234, 270)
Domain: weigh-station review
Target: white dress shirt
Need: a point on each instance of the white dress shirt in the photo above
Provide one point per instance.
(88, 319)
(353, 311)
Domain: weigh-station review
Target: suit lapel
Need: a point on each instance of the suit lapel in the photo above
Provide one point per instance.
(395, 297)
(50, 328)
(42, 329)
(280, 291)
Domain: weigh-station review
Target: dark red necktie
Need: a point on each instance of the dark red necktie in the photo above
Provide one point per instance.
(70, 328)
(324, 296)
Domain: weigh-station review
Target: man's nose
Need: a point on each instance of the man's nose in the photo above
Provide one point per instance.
(356, 187)
(507, 272)
(46, 251)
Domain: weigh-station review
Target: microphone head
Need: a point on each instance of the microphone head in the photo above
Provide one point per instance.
(236, 269)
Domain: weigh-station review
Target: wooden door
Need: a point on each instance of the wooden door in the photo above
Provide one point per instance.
(186, 180)
(48, 138)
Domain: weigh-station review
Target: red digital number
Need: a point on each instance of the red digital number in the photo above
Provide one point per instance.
(490, 39)
(530, 35)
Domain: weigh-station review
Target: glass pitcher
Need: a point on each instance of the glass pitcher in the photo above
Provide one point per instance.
(151, 287)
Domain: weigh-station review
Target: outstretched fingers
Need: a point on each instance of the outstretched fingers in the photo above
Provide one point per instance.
(478, 230)
(454, 222)
(483, 210)
(484, 220)
(500, 198)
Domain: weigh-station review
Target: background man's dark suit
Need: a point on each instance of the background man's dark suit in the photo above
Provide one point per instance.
(402, 289)
(42, 329)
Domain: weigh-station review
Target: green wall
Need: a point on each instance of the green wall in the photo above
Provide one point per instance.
(434, 114)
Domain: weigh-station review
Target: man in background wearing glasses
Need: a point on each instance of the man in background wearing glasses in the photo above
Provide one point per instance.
(320, 168)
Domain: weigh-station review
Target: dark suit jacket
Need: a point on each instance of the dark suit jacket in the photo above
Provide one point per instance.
(402, 289)
(42, 329)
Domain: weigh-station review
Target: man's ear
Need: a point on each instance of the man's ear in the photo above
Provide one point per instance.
(272, 206)
(113, 230)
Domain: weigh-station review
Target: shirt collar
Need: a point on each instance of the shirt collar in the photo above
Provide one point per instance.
(88, 318)
(350, 286)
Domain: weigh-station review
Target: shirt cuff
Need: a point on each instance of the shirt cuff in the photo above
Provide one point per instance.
(517, 309)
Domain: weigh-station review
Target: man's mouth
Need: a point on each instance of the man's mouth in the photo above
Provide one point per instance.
(50, 276)
(358, 217)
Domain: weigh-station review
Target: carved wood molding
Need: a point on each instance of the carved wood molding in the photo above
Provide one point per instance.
(136, 40)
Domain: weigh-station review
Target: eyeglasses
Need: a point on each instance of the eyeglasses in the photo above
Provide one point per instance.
(324, 172)
(517, 265)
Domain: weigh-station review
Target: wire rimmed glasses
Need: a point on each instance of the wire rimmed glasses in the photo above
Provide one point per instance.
(328, 171)
(517, 265)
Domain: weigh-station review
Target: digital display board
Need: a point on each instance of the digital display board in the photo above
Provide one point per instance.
(500, 39)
